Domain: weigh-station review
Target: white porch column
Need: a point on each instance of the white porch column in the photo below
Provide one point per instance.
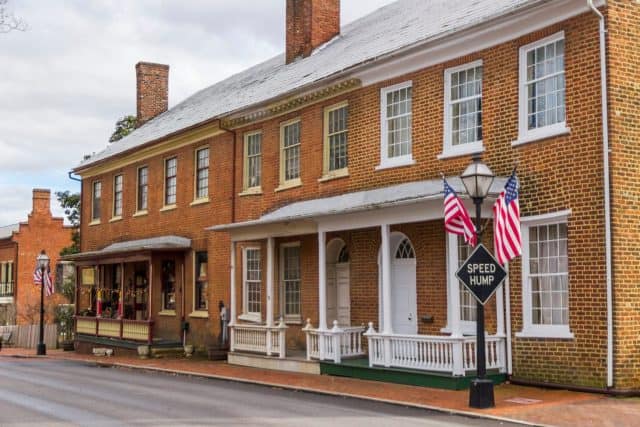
(454, 285)
(322, 281)
(386, 279)
(232, 297)
(500, 310)
(270, 260)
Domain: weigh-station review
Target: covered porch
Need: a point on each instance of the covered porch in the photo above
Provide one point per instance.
(367, 261)
(130, 293)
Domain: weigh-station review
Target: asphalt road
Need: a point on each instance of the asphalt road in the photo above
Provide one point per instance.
(48, 392)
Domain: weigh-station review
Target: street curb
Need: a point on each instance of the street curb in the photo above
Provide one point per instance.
(306, 390)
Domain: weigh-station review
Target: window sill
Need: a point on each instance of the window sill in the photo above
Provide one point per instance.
(552, 333)
(254, 318)
(94, 222)
(336, 174)
(199, 201)
(461, 150)
(253, 191)
(200, 314)
(116, 219)
(541, 134)
(293, 320)
(141, 213)
(168, 208)
(396, 163)
(167, 313)
(294, 183)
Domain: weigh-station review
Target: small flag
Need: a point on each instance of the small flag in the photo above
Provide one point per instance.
(456, 217)
(48, 283)
(507, 239)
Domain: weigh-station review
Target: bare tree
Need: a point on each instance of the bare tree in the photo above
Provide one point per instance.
(8, 21)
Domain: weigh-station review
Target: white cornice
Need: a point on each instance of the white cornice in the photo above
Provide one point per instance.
(481, 37)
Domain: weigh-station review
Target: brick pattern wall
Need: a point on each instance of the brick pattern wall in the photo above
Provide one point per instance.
(8, 253)
(152, 91)
(623, 59)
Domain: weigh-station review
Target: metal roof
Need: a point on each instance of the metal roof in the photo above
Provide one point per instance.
(399, 25)
(150, 244)
(411, 192)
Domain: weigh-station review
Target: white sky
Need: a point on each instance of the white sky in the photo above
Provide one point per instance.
(65, 82)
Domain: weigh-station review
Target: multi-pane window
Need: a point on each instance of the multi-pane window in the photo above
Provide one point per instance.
(253, 160)
(6, 279)
(202, 173)
(117, 195)
(549, 274)
(143, 188)
(168, 285)
(291, 280)
(543, 84)
(396, 122)
(336, 138)
(201, 283)
(467, 301)
(252, 280)
(463, 100)
(170, 181)
(96, 198)
(290, 142)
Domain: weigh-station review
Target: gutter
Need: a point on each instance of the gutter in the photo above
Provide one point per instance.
(606, 187)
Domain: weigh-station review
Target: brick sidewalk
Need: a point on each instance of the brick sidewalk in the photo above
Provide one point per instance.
(538, 406)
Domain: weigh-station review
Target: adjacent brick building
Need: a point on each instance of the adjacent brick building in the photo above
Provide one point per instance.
(304, 180)
(20, 244)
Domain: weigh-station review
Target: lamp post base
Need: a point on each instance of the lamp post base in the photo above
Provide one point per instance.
(41, 350)
(481, 394)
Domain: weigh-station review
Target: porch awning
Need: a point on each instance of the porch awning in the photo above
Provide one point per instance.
(395, 195)
(162, 243)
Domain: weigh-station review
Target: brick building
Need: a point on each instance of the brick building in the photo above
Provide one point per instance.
(20, 244)
(307, 187)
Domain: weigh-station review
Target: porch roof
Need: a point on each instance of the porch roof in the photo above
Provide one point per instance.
(162, 243)
(359, 201)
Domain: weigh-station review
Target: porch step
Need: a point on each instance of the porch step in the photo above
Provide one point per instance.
(290, 364)
(170, 352)
(359, 368)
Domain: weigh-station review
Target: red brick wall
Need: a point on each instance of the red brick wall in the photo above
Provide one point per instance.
(623, 43)
(152, 90)
(8, 253)
(309, 24)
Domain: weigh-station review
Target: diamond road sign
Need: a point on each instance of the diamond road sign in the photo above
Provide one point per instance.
(481, 274)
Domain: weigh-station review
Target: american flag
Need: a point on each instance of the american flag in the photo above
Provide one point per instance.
(48, 283)
(507, 239)
(456, 217)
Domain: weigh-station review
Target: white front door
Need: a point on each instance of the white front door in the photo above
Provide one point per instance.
(343, 296)
(403, 296)
(332, 295)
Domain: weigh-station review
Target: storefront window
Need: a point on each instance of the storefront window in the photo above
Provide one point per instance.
(168, 285)
(201, 281)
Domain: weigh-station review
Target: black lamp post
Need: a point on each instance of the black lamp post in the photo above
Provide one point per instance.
(43, 264)
(477, 179)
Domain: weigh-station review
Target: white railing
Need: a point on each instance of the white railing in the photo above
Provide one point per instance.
(432, 353)
(259, 339)
(334, 344)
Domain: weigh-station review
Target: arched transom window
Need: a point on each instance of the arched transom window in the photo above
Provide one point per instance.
(405, 250)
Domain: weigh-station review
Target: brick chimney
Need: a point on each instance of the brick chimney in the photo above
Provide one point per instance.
(152, 90)
(310, 23)
(41, 202)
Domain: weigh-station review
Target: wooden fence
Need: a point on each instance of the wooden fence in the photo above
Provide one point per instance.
(27, 336)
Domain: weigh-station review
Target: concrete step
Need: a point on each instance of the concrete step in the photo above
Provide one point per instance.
(275, 363)
(166, 352)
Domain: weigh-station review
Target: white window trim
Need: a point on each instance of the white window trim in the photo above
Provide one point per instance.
(448, 150)
(197, 200)
(198, 312)
(336, 173)
(164, 185)
(557, 129)
(529, 330)
(246, 315)
(139, 211)
(294, 182)
(290, 318)
(95, 220)
(256, 189)
(467, 327)
(385, 161)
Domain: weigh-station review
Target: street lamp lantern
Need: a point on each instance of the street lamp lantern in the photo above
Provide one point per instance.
(477, 179)
(42, 261)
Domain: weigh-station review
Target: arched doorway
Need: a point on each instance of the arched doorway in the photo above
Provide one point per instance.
(404, 305)
(338, 283)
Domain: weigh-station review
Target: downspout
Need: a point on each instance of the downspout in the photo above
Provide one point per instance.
(607, 194)
(233, 172)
